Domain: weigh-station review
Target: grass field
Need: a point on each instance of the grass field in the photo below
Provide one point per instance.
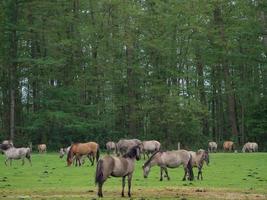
(229, 176)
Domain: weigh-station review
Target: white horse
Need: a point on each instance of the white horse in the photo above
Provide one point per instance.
(13, 153)
(250, 147)
(212, 147)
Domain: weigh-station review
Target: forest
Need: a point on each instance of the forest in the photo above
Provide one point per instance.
(188, 71)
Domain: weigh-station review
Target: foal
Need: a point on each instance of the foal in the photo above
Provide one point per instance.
(117, 167)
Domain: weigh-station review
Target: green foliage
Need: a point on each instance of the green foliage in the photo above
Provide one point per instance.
(175, 71)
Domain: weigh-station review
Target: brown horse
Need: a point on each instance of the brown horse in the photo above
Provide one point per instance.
(228, 146)
(90, 149)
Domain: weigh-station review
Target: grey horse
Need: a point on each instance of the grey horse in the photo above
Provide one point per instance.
(111, 147)
(212, 147)
(149, 147)
(250, 147)
(198, 159)
(13, 153)
(124, 145)
(170, 159)
(117, 167)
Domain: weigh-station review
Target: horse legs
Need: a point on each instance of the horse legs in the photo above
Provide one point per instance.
(93, 159)
(22, 161)
(129, 184)
(161, 170)
(6, 161)
(99, 193)
(166, 173)
(185, 173)
(123, 185)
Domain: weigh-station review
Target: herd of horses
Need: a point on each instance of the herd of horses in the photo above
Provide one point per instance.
(121, 156)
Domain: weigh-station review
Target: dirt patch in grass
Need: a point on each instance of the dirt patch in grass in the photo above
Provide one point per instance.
(140, 193)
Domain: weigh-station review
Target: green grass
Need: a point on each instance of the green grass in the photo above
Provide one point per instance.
(240, 173)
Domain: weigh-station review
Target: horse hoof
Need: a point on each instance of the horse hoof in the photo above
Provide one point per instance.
(160, 179)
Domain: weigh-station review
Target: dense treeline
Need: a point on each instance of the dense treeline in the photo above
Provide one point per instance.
(188, 71)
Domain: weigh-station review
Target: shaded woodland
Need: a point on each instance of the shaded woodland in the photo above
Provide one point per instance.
(187, 71)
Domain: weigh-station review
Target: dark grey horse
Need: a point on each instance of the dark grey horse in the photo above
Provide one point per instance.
(117, 167)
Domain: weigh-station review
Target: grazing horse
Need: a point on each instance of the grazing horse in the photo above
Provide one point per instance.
(170, 159)
(212, 147)
(198, 159)
(124, 145)
(250, 147)
(79, 149)
(41, 148)
(15, 153)
(111, 147)
(149, 147)
(228, 146)
(117, 167)
(64, 151)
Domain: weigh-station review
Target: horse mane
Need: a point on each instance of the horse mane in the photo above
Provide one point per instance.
(131, 153)
(152, 156)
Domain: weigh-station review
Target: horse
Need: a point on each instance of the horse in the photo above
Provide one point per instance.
(124, 145)
(170, 159)
(250, 147)
(149, 147)
(198, 159)
(41, 148)
(8, 142)
(15, 153)
(63, 151)
(79, 149)
(212, 147)
(111, 147)
(117, 167)
(228, 146)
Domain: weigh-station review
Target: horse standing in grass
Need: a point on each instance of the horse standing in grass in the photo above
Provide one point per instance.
(117, 167)
(228, 146)
(124, 145)
(170, 159)
(41, 148)
(198, 159)
(111, 147)
(149, 147)
(13, 153)
(90, 149)
(212, 147)
(250, 147)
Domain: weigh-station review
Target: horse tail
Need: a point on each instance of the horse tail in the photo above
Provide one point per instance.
(97, 153)
(190, 169)
(99, 172)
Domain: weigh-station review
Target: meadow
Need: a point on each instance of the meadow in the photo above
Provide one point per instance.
(229, 176)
